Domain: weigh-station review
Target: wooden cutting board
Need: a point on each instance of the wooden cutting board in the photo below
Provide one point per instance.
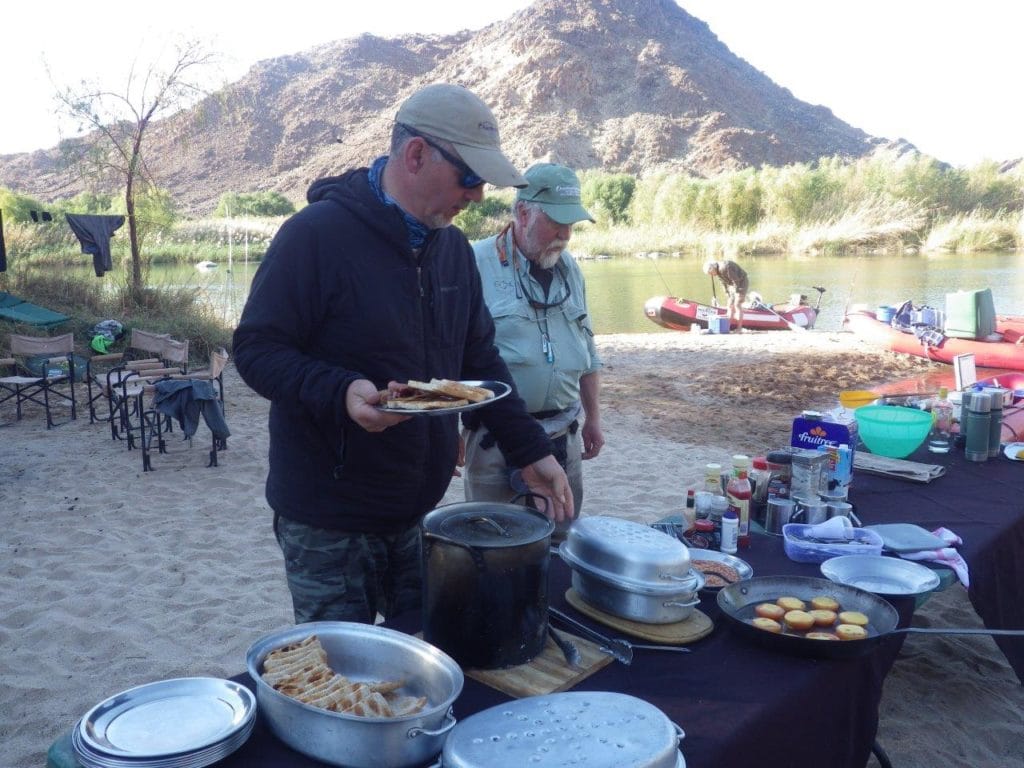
(547, 673)
(695, 627)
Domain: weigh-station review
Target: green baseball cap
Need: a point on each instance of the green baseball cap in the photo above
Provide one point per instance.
(556, 189)
(457, 115)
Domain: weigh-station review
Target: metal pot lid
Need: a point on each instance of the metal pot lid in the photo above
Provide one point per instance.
(591, 729)
(627, 550)
(681, 587)
(486, 524)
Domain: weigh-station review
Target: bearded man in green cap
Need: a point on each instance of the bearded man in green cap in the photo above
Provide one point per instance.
(537, 296)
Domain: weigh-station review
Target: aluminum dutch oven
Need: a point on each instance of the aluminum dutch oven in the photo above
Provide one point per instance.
(596, 729)
(631, 570)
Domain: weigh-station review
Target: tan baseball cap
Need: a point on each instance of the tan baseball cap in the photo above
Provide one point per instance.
(457, 115)
(556, 189)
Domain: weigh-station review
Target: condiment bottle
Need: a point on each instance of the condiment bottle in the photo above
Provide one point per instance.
(942, 423)
(690, 510)
(730, 526)
(738, 493)
(759, 477)
(713, 479)
(719, 506)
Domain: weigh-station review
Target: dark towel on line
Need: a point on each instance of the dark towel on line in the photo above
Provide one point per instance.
(3, 248)
(94, 233)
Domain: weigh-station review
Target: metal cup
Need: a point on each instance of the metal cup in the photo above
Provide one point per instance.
(777, 514)
(839, 509)
(810, 511)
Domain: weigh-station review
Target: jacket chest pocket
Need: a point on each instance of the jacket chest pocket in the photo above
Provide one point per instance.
(446, 306)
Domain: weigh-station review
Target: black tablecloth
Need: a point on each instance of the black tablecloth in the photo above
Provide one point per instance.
(738, 703)
(983, 503)
(744, 705)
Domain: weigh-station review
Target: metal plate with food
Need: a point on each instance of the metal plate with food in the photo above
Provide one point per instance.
(443, 397)
(886, 576)
(168, 717)
(1014, 451)
(719, 568)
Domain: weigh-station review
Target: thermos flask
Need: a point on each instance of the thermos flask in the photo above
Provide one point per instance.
(976, 424)
(995, 427)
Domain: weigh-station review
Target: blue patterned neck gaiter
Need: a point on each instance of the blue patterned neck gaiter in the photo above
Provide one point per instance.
(417, 229)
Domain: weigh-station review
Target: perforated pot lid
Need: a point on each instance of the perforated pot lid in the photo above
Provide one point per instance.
(590, 729)
(623, 549)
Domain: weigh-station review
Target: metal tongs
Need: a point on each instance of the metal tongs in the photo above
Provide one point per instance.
(621, 650)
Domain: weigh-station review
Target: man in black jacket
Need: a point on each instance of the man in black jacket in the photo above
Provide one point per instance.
(366, 286)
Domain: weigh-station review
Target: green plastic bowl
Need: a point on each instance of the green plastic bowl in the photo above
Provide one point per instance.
(892, 430)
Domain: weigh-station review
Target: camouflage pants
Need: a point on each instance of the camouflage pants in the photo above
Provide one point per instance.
(345, 576)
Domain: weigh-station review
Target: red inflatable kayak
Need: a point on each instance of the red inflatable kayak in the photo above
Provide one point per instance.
(1003, 353)
(681, 314)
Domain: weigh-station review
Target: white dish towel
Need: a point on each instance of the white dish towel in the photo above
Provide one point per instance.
(947, 556)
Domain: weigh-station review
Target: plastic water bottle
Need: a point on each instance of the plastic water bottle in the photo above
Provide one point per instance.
(942, 423)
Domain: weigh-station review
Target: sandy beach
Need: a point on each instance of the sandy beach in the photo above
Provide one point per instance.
(113, 577)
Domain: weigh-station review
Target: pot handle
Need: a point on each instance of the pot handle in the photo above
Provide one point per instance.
(680, 734)
(478, 559)
(673, 604)
(449, 723)
(530, 495)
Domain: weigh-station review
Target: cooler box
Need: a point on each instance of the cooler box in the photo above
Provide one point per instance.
(885, 313)
(719, 324)
(970, 314)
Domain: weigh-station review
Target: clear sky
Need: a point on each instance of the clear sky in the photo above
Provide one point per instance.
(943, 74)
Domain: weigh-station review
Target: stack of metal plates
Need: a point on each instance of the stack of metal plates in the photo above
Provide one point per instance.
(187, 722)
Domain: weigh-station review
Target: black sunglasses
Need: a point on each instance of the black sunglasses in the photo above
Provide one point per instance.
(468, 179)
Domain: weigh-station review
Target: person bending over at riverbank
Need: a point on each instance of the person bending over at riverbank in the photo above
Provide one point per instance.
(736, 283)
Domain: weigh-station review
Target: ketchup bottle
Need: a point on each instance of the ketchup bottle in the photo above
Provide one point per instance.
(739, 494)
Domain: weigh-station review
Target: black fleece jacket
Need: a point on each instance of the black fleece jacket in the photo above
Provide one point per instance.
(340, 296)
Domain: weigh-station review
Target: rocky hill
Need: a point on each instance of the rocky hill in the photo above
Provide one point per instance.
(623, 85)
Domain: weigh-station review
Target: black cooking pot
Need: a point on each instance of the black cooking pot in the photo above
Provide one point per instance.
(737, 602)
(485, 582)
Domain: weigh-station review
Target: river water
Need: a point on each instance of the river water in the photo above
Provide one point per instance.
(618, 287)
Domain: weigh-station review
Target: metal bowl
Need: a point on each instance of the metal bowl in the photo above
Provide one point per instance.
(626, 551)
(363, 652)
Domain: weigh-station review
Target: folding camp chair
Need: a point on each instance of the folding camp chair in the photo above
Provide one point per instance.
(144, 350)
(206, 397)
(41, 387)
(129, 384)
